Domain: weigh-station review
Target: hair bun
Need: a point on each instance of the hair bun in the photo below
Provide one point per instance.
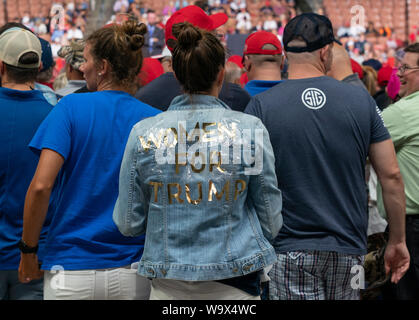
(134, 33)
(187, 35)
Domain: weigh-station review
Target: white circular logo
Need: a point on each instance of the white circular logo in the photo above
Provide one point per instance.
(313, 98)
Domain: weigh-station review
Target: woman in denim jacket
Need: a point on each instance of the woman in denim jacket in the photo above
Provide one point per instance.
(199, 181)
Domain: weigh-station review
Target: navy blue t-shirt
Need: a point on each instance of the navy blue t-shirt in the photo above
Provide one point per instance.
(321, 130)
(90, 131)
(21, 113)
(160, 92)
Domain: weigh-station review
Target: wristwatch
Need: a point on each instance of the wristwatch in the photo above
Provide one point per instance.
(24, 248)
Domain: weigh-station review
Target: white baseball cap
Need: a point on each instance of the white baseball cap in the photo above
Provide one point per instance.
(14, 43)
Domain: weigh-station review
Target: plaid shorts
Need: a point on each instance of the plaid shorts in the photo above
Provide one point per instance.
(314, 275)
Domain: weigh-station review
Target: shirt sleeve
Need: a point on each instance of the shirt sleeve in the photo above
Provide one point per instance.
(54, 132)
(395, 124)
(378, 130)
(263, 186)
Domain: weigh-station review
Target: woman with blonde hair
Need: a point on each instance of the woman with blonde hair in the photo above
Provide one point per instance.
(370, 79)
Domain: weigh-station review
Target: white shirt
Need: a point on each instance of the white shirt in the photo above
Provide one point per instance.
(74, 34)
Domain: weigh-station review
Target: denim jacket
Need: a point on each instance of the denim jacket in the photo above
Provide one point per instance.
(199, 180)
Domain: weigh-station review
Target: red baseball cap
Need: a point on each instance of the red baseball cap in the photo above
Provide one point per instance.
(150, 70)
(197, 17)
(237, 60)
(356, 68)
(244, 79)
(383, 75)
(255, 42)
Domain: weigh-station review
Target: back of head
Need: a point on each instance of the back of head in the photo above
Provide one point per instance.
(48, 62)
(262, 47)
(307, 34)
(73, 54)
(233, 73)
(312, 30)
(413, 48)
(20, 51)
(198, 56)
(373, 63)
(370, 79)
(341, 65)
(383, 75)
(121, 46)
(195, 16)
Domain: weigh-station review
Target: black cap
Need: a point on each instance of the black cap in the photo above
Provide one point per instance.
(316, 30)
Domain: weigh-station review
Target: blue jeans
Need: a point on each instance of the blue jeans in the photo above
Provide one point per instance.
(12, 289)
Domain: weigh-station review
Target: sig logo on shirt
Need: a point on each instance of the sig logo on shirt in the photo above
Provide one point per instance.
(313, 98)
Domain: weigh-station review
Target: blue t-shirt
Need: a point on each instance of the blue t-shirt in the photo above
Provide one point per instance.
(254, 87)
(321, 130)
(21, 113)
(90, 131)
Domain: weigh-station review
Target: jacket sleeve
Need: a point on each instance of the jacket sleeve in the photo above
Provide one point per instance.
(263, 187)
(130, 212)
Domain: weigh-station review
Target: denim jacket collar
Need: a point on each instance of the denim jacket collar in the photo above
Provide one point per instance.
(196, 101)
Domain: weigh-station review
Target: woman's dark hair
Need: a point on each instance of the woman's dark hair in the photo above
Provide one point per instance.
(121, 46)
(198, 57)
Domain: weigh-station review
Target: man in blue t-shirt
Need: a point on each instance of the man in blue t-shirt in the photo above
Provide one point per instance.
(22, 110)
(263, 61)
(322, 130)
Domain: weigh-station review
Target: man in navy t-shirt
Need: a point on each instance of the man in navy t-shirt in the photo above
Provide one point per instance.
(22, 109)
(263, 61)
(322, 130)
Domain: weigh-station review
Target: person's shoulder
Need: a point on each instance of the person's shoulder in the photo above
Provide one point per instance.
(77, 99)
(333, 83)
(43, 88)
(254, 121)
(146, 109)
(410, 100)
(151, 122)
(397, 107)
(163, 82)
(274, 93)
(237, 91)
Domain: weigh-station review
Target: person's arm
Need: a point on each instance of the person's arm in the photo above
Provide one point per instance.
(263, 187)
(35, 210)
(384, 161)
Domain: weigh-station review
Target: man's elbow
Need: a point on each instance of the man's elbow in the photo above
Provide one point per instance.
(394, 176)
(392, 179)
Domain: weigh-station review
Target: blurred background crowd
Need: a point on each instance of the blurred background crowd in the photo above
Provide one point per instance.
(373, 31)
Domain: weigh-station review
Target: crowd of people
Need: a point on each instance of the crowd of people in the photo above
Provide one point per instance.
(366, 44)
(261, 176)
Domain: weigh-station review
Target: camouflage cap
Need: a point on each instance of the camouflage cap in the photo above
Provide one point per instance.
(73, 53)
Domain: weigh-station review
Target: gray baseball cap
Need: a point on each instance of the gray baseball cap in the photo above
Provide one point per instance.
(16, 42)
